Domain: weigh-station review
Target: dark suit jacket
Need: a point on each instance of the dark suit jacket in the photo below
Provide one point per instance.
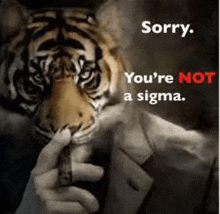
(156, 167)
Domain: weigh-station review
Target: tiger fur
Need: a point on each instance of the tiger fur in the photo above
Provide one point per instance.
(61, 68)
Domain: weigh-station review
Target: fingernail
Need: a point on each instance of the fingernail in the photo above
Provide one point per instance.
(100, 171)
(62, 136)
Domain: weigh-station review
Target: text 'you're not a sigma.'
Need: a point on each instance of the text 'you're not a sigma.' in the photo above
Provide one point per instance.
(197, 77)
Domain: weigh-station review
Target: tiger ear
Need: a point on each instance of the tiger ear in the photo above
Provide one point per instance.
(107, 16)
(115, 17)
(13, 17)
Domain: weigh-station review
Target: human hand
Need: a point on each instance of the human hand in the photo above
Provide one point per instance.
(55, 198)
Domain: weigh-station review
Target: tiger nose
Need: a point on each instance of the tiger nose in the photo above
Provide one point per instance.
(68, 106)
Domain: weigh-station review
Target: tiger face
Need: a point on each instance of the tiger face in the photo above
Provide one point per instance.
(63, 70)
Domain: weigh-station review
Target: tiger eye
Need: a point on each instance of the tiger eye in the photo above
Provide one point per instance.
(85, 74)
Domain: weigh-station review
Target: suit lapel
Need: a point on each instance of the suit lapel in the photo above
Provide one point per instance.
(128, 182)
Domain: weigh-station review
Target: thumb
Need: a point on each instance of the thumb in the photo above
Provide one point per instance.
(49, 155)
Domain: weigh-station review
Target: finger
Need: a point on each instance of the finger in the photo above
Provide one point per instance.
(86, 172)
(48, 157)
(58, 207)
(71, 194)
(80, 172)
(47, 180)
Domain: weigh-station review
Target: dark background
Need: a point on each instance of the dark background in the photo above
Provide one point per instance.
(168, 53)
(148, 53)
